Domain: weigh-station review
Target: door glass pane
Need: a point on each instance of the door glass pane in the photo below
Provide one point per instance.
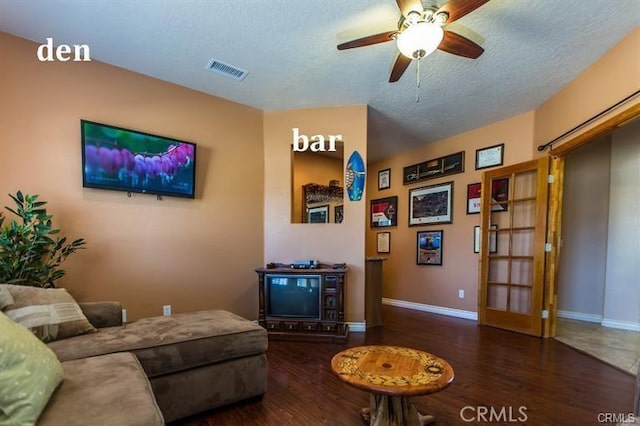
(524, 213)
(502, 244)
(497, 297)
(522, 242)
(522, 271)
(498, 272)
(501, 220)
(520, 300)
(524, 185)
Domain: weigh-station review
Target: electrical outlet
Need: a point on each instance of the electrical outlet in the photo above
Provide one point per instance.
(166, 310)
(460, 294)
(124, 316)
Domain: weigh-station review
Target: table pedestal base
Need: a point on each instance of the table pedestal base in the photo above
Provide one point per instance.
(394, 411)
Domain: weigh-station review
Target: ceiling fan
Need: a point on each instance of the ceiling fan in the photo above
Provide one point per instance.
(421, 31)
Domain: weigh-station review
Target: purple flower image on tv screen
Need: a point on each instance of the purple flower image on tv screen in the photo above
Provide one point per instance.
(127, 160)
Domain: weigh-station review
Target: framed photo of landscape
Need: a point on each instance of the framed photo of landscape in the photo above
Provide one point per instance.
(429, 248)
(384, 212)
(431, 204)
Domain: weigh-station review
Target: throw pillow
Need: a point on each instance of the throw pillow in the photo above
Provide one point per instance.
(29, 373)
(50, 313)
(5, 298)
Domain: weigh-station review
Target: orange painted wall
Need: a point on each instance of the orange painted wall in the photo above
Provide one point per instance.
(438, 285)
(285, 241)
(612, 78)
(192, 254)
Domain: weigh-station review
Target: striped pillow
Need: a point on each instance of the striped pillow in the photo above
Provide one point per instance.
(51, 314)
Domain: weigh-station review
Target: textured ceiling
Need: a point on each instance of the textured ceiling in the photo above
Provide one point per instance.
(532, 49)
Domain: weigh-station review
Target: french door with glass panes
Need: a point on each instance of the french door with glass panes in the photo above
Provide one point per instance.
(512, 246)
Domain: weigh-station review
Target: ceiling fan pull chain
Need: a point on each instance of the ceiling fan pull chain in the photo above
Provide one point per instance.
(418, 81)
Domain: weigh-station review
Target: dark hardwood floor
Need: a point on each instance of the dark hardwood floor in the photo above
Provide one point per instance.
(493, 369)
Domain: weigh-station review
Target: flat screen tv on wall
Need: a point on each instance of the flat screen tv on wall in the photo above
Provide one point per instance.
(132, 161)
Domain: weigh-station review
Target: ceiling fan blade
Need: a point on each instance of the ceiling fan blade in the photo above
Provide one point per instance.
(407, 6)
(399, 67)
(368, 40)
(456, 9)
(459, 45)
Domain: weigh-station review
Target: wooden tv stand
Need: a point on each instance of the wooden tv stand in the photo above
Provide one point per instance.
(328, 326)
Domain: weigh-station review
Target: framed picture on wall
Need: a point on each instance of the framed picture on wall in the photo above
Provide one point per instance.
(318, 214)
(384, 212)
(490, 156)
(384, 179)
(383, 242)
(473, 197)
(429, 248)
(431, 204)
(499, 193)
(493, 239)
(338, 213)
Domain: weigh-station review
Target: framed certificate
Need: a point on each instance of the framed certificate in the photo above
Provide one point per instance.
(490, 156)
(383, 242)
(384, 179)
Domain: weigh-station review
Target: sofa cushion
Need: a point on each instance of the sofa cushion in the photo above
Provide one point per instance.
(104, 390)
(50, 313)
(29, 373)
(175, 343)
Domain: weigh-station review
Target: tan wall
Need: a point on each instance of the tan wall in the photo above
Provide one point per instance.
(622, 292)
(612, 78)
(438, 285)
(192, 254)
(583, 258)
(284, 241)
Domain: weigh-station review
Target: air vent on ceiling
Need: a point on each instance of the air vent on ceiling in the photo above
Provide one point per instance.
(227, 70)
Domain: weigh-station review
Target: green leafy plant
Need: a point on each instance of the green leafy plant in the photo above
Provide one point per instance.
(29, 254)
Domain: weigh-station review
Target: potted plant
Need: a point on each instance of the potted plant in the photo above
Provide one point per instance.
(29, 254)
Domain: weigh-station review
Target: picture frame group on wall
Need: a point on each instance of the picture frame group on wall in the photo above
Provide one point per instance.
(430, 205)
(383, 242)
(384, 179)
(429, 247)
(384, 212)
(499, 194)
(490, 156)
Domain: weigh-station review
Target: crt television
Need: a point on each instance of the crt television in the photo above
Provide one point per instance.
(133, 161)
(292, 296)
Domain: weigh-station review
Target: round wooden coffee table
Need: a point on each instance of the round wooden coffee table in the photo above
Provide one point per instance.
(392, 375)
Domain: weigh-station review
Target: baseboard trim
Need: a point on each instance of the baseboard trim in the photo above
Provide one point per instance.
(579, 316)
(451, 312)
(357, 327)
(621, 325)
(599, 319)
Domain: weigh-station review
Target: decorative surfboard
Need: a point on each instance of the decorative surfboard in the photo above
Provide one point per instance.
(355, 176)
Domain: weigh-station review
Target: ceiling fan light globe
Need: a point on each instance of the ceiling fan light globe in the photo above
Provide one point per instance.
(419, 40)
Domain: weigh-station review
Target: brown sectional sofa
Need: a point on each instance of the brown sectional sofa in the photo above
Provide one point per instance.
(192, 362)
